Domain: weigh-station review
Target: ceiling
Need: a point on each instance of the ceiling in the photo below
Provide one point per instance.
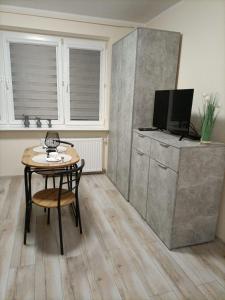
(139, 11)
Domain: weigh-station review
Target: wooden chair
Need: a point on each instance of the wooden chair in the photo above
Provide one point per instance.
(60, 197)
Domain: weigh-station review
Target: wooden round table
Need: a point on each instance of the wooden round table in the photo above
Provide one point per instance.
(29, 154)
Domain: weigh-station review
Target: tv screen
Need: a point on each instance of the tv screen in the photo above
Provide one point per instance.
(172, 110)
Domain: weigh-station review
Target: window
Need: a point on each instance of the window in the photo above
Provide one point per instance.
(34, 81)
(33, 78)
(84, 84)
(54, 78)
(84, 73)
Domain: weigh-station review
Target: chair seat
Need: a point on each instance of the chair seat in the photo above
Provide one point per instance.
(48, 173)
(49, 198)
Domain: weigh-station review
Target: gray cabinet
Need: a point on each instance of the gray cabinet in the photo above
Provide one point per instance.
(142, 62)
(177, 186)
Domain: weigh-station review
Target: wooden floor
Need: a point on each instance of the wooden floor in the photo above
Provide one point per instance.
(117, 257)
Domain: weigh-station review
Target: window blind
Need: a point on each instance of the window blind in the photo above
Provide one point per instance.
(84, 84)
(34, 80)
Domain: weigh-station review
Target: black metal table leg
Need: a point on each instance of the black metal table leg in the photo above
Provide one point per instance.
(29, 199)
(48, 218)
(28, 196)
(27, 202)
(60, 230)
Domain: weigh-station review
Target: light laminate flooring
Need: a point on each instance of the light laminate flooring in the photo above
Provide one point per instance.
(117, 257)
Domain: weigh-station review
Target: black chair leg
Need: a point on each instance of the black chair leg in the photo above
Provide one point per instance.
(25, 227)
(29, 217)
(46, 186)
(48, 218)
(76, 213)
(46, 182)
(72, 205)
(53, 180)
(68, 181)
(60, 231)
(78, 219)
(71, 181)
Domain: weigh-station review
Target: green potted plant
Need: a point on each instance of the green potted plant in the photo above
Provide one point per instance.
(208, 116)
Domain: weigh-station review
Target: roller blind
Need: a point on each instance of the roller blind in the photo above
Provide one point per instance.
(84, 84)
(34, 80)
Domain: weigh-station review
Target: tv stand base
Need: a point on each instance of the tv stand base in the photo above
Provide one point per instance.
(148, 129)
(191, 137)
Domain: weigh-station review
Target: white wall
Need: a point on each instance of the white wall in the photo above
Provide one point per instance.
(202, 61)
(13, 143)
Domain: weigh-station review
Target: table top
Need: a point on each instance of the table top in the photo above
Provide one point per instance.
(29, 154)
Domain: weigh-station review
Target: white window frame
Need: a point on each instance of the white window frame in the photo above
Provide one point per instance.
(86, 45)
(8, 122)
(35, 39)
(3, 96)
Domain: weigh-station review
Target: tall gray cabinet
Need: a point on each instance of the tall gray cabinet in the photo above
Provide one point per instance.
(142, 62)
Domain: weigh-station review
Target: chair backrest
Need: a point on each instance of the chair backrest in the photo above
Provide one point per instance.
(67, 143)
(73, 175)
(52, 140)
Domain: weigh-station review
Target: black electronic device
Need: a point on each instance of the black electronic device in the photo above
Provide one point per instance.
(172, 110)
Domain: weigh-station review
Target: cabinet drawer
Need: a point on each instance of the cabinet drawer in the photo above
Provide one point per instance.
(165, 154)
(141, 142)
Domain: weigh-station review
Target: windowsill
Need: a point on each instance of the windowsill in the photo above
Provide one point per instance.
(54, 128)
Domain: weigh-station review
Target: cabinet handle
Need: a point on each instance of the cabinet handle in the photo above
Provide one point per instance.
(141, 135)
(161, 166)
(164, 145)
(7, 84)
(139, 152)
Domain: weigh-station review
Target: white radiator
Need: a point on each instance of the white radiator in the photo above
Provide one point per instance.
(90, 149)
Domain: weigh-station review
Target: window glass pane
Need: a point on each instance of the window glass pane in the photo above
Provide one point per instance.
(84, 84)
(34, 80)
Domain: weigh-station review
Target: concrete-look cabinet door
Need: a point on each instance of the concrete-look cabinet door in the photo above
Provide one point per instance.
(161, 200)
(125, 108)
(113, 120)
(139, 181)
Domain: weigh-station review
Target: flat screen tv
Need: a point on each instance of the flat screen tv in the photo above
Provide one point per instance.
(172, 110)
